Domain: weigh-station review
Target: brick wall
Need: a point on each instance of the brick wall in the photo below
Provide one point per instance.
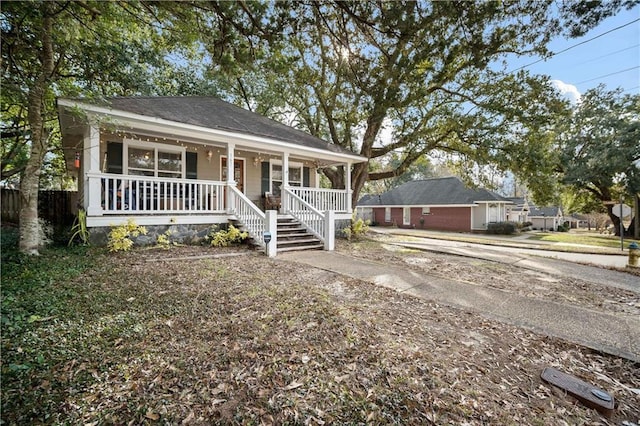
(440, 218)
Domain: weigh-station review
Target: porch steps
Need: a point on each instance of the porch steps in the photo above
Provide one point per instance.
(293, 236)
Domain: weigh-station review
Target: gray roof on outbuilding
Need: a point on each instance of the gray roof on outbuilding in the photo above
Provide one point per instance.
(214, 113)
(552, 211)
(439, 191)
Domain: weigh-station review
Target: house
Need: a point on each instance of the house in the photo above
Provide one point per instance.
(190, 162)
(546, 218)
(518, 211)
(442, 204)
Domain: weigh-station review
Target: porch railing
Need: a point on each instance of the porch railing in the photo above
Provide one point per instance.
(322, 199)
(308, 215)
(251, 216)
(127, 194)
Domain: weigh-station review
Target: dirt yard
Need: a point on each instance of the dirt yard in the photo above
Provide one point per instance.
(156, 336)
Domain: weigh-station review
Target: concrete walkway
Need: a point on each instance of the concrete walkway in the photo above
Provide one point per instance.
(615, 334)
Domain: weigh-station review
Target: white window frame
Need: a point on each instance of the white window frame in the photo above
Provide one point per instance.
(138, 144)
(292, 165)
(244, 170)
(387, 214)
(426, 210)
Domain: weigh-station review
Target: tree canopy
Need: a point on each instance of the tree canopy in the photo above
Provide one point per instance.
(431, 73)
(600, 147)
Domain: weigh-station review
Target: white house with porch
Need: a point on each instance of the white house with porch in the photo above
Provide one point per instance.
(166, 161)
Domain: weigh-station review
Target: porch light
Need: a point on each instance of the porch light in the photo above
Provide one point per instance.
(209, 155)
(257, 160)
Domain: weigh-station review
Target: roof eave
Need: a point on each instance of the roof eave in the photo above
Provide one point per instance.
(183, 129)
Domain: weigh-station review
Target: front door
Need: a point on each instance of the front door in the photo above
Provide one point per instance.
(238, 172)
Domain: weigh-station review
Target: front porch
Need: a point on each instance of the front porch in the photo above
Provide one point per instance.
(199, 161)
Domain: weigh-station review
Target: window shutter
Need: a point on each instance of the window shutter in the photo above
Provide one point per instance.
(192, 165)
(114, 157)
(265, 176)
(305, 177)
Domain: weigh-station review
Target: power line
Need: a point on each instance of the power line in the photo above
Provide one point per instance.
(608, 54)
(610, 74)
(576, 45)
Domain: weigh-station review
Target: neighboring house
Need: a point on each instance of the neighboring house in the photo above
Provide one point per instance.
(441, 204)
(165, 161)
(519, 210)
(545, 218)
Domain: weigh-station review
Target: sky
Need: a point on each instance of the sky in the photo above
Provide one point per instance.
(612, 59)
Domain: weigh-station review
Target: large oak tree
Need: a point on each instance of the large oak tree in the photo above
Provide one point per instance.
(601, 148)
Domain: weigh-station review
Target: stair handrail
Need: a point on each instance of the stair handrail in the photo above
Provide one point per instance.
(310, 217)
(249, 215)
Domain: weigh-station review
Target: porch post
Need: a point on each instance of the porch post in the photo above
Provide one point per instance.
(329, 230)
(231, 181)
(285, 182)
(271, 226)
(91, 165)
(347, 180)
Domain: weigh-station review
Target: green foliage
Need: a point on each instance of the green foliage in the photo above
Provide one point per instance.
(119, 238)
(164, 240)
(502, 228)
(357, 228)
(79, 229)
(223, 238)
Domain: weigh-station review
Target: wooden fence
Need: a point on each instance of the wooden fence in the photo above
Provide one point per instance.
(56, 207)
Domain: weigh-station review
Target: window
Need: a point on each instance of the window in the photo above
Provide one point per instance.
(387, 214)
(426, 210)
(295, 176)
(406, 215)
(149, 159)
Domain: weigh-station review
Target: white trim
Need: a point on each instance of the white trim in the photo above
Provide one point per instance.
(176, 129)
(406, 216)
(137, 143)
(244, 171)
(387, 215)
(292, 164)
(94, 221)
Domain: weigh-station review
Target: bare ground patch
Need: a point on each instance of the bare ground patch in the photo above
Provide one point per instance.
(251, 340)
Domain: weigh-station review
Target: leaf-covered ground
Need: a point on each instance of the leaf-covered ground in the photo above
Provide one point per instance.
(156, 337)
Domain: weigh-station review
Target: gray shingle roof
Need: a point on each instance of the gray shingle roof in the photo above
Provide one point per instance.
(213, 113)
(439, 191)
(548, 211)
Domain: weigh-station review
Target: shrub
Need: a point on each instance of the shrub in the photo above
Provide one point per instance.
(356, 229)
(502, 228)
(79, 229)
(163, 241)
(119, 238)
(222, 238)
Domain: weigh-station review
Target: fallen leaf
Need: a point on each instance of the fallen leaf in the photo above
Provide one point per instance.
(293, 385)
(152, 416)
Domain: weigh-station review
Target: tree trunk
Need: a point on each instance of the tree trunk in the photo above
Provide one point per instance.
(29, 184)
(636, 217)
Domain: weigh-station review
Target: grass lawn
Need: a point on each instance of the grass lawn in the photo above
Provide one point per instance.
(590, 239)
(153, 337)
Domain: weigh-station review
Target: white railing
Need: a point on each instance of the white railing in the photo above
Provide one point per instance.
(127, 194)
(308, 215)
(323, 199)
(251, 217)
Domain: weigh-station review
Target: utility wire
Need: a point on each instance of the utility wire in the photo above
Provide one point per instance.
(576, 45)
(608, 54)
(610, 74)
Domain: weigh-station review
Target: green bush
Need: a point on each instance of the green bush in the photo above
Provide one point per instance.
(222, 238)
(120, 236)
(502, 228)
(356, 229)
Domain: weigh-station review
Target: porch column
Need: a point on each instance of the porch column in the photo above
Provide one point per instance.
(347, 184)
(91, 166)
(285, 182)
(231, 181)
